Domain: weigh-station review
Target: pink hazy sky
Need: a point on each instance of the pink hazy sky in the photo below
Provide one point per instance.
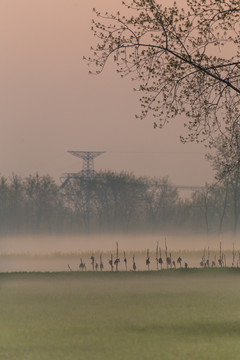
(49, 104)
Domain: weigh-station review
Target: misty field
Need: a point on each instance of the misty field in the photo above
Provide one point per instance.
(175, 314)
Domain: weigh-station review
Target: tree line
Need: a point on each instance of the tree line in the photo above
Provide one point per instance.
(114, 202)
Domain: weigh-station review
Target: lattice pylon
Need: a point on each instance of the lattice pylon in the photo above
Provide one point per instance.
(87, 167)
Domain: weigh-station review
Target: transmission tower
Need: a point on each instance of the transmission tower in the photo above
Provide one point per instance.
(87, 171)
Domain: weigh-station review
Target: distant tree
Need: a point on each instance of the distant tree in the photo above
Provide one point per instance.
(204, 201)
(16, 213)
(185, 216)
(42, 195)
(225, 161)
(127, 195)
(4, 204)
(79, 197)
(108, 201)
(183, 60)
(221, 201)
(161, 198)
(101, 201)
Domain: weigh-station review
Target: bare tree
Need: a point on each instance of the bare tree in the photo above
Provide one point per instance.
(183, 60)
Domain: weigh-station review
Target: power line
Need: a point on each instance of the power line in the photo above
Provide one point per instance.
(156, 152)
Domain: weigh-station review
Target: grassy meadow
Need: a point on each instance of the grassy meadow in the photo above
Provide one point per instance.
(171, 314)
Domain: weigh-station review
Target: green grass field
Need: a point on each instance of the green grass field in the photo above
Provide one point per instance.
(175, 314)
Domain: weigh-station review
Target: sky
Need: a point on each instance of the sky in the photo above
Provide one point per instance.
(49, 104)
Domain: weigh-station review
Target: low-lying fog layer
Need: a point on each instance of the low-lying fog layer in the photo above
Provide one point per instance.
(55, 253)
(107, 242)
